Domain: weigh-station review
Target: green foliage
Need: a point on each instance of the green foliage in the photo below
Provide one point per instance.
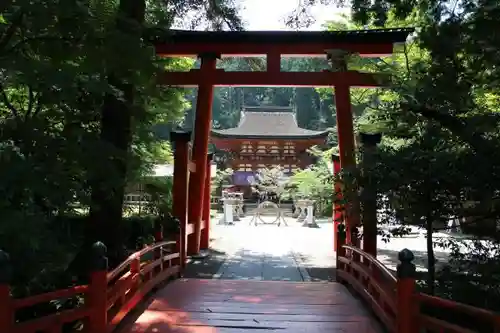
(222, 177)
(63, 64)
(438, 159)
(316, 183)
(312, 112)
(270, 181)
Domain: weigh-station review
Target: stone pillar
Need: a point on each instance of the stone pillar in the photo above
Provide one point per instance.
(229, 210)
(309, 221)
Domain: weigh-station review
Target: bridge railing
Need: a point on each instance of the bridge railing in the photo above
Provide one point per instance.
(395, 300)
(100, 305)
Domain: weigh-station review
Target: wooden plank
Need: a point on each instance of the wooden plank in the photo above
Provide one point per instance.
(250, 306)
(179, 315)
(162, 327)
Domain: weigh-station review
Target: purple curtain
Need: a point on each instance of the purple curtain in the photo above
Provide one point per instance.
(243, 177)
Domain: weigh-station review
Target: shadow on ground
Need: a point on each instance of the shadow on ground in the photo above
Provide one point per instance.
(324, 272)
(253, 265)
(205, 268)
(247, 264)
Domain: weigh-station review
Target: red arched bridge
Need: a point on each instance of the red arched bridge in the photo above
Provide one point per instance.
(146, 293)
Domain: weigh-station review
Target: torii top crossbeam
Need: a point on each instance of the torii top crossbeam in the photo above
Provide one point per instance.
(274, 45)
(299, 43)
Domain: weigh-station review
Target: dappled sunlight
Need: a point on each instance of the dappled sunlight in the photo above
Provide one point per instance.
(169, 321)
(218, 306)
(248, 299)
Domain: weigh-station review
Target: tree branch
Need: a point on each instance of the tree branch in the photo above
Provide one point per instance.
(455, 126)
(31, 102)
(8, 104)
(11, 30)
(38, 105)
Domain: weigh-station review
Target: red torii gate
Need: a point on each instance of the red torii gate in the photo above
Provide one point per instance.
(209, 46)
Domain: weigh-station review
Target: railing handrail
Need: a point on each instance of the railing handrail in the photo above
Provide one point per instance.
(108, 296)
(121, 267)
(387, 273)
(402, 312)
(460, 307)
(49, 296)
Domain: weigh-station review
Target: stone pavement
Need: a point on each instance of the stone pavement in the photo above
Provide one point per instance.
(269, 252)
(295, 253)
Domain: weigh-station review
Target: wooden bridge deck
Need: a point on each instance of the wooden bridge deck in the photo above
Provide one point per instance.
(236, 306)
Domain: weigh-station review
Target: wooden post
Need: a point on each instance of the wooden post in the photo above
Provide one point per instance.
(338, 215)
(205, 233)
(345, 130)
(338, 60)
(405, 292)
(6, 309)
(158, 231)
(180, 141)
(340, 250)
(202, 127)
(158, 227)
(96, 299)
(368, 197)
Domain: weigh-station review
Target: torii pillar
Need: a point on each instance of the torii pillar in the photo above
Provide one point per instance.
(345, 130)
(338, 211)
(202, 127)
(205, 233)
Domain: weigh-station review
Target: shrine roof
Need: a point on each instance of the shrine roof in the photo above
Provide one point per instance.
(268, 122)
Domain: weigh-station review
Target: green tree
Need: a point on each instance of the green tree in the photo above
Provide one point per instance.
(77, 100)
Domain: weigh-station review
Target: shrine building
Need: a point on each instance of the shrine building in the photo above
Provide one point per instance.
(266, 137)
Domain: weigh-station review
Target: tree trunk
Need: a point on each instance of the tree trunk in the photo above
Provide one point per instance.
(105, 220)
(431, 259)
(108, 192)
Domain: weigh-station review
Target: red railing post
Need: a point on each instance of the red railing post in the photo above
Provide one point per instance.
(96, 299)
(341, 235)
(6, 310)
(405, 292)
